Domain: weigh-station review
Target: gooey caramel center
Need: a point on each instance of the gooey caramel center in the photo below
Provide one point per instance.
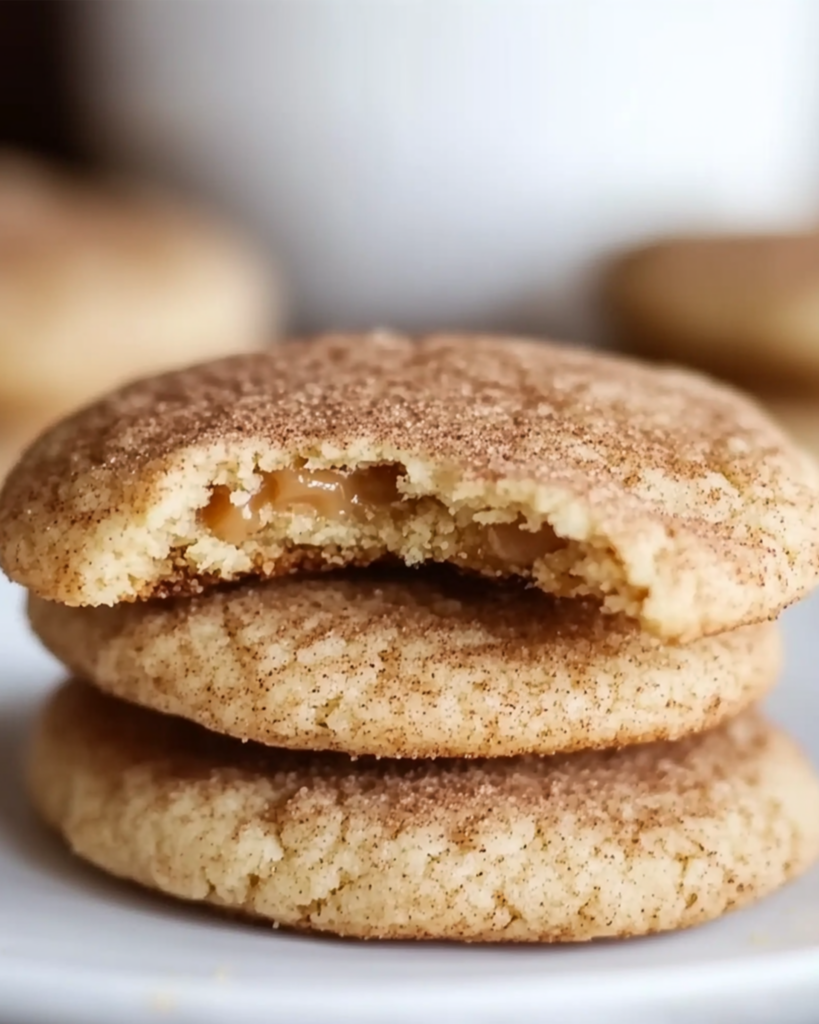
(328, 493)
(334, 494)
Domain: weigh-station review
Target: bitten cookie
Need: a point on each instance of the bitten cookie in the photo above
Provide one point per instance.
(409, 664)
(669, 498)
(100, 283)
(586, 846)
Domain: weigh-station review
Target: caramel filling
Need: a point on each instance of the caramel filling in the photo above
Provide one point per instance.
(336, 495)
(328, 493)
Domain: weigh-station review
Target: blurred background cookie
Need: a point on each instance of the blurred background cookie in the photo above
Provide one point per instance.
(101, 282)
(799, 415)
(745, 308)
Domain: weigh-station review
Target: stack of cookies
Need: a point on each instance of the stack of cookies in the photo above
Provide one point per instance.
(458, 637)
(745, 307)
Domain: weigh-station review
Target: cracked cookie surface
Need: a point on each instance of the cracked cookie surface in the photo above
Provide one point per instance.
(402, 663)
(571, 848)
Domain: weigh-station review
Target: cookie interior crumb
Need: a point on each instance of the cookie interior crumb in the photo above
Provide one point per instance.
(263, 516)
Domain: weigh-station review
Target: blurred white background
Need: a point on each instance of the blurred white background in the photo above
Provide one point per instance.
(447, 162)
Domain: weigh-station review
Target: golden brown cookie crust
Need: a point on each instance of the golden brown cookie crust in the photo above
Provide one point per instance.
(592, 845)
(673, 500)
(409, 664)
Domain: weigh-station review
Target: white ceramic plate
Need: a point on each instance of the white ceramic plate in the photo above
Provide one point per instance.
(79, 948)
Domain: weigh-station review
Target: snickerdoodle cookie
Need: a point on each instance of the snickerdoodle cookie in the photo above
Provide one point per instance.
(409, 664)
(588, 845)
(663, 495)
